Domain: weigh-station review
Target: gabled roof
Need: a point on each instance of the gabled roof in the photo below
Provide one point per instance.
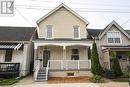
(16, 33)
(94, 32)
(66, 7)
(109, 27)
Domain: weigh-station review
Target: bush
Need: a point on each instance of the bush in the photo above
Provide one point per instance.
(97, 79)
(126, 75)
(115, 65)
(96, 68)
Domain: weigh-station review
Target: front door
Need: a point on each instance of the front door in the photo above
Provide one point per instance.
(46, 57)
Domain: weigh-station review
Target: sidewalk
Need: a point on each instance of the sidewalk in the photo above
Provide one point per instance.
(114, 84)
(59, 85)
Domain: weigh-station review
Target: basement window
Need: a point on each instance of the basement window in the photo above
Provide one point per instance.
(70, 74)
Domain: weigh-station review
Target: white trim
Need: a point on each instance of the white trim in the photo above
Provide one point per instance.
(109, 27)
(57, 8)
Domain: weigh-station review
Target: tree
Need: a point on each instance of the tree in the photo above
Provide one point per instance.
(96, 68)
(115, 65)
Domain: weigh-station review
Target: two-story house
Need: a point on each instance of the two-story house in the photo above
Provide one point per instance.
(62, 47)
(112, 38)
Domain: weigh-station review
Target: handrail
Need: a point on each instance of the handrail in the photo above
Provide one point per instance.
(70, 64)
(47, 69)
(37, 69)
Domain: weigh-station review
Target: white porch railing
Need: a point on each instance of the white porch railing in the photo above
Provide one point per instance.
(37, 67)
(69, 64)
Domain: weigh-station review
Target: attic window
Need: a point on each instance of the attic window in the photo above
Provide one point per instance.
(114, 37)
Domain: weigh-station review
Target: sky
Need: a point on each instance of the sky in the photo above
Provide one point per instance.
(99, 13)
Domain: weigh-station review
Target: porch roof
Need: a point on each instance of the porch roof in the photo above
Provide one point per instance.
(115, 47)
(63, 44)
(11, 46)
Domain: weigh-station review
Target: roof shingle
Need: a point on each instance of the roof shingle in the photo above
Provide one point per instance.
(16, 33)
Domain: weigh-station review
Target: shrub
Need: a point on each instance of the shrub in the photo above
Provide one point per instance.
(97, 79)
(115, 65)
(126, 75)
(96, 68)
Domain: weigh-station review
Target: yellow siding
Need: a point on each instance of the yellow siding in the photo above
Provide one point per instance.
(62, 22)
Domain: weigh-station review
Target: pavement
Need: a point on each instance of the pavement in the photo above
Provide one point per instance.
(29, 82)
(59, 85)
(114, 84)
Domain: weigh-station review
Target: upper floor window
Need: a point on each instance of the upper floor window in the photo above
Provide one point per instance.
(76, 32)
(49, 31)
(114, 37)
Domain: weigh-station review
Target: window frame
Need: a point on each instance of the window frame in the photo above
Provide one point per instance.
(47, 32)
(78, 32)
(75, 54)
(10, 55)
(114, 37)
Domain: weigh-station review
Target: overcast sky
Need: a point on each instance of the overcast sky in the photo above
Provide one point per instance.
(99, 13)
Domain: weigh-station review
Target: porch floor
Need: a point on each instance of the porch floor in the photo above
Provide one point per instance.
(83, 79)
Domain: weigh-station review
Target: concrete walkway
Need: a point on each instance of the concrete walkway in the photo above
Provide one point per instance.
(41, 84)
(29, 82)
(38, 84)
(114, 84)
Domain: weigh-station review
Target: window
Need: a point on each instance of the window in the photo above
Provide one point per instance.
(76, 32)
(75, 54)
(113, 37)
(49, 31)
(70, 74)
(8, 55)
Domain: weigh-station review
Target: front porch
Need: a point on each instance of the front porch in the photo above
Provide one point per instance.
(122, 53)
(51, 57)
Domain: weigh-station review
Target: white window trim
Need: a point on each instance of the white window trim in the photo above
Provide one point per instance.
(78, 31)
(114, 43)
(52, 33)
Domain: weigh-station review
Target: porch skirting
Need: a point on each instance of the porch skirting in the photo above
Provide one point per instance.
(53, 73)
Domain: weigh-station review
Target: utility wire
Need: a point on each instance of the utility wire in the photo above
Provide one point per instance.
(126, 22)
(31, 6)
(83, 3)
(99, 11)
(23, 16)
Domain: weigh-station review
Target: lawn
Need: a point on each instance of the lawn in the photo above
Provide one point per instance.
(9, 81)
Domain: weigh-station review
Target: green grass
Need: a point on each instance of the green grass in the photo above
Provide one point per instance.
(121, 80)
(9, 81)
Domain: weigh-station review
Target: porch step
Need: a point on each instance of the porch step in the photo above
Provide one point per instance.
(41, 76)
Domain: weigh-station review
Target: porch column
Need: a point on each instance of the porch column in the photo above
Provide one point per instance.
(35, 54)
(35, 58)
(64, 57)
(64, 52)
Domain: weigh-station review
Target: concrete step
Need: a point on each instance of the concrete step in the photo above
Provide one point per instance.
(41, 75)
(41, 80)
